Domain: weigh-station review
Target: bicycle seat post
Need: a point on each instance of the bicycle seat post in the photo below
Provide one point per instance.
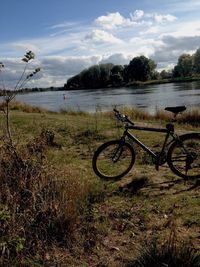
(175, 111)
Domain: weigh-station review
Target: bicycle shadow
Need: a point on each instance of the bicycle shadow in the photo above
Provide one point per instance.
(145, 186)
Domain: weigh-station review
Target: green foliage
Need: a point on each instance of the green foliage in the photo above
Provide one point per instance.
(28, 56)
(165, 74)
(141, 68)
(117, 69)
(184, 67)
(4, 213)
(105, 75)
(96, 76)
(188, 65)
(196, 61)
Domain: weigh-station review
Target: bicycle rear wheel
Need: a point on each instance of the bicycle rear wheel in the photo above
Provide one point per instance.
(184, 156)
(113, 160)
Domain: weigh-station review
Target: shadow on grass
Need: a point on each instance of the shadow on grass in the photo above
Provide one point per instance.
(159, 189)
(134, 186)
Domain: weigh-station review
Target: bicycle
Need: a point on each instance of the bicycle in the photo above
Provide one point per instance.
(115, 158)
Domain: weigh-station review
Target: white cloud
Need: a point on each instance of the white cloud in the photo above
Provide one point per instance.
(66, 24)
(102, 36)
(151, 30)
(182, 29)
(113, 20)
(117, 59)
(164, 18)
(138, 14)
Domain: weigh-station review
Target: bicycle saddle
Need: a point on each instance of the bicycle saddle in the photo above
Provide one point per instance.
(176, 110)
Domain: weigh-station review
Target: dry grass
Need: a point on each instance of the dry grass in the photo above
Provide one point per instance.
(16, 105)
(40, 204)
(190, 117)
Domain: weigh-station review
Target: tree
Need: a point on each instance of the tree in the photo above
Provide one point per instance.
(73, 82)
(184, 65)
(116, 77)
(96, 76)
(90, 78)
(105, 72)
(164, 74)
(125, 74)
(117, 69)
(176, 72)
(141, 68)
(196, 61)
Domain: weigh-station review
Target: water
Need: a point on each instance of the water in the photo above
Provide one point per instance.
(149, 97)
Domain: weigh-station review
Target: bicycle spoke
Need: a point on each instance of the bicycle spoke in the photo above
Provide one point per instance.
(113, 160)
(185, 157)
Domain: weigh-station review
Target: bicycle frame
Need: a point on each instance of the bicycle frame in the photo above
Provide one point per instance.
(149, 129)
(180, 152)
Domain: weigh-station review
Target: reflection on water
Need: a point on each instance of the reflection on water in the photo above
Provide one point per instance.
(148, 97)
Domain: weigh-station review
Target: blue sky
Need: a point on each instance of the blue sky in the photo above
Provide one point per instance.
(68, 36)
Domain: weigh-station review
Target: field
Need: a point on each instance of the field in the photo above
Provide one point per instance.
(67, 216)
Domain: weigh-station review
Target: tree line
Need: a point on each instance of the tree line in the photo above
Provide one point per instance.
(139, 68)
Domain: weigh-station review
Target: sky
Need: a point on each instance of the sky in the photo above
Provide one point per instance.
(69, 36)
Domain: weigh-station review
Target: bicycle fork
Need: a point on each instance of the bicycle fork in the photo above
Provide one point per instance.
(117, 154)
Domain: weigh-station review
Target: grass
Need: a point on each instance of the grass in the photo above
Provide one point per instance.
(171, 254)
(55, 212)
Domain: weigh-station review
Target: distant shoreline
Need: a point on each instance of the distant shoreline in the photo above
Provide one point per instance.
(131, 84)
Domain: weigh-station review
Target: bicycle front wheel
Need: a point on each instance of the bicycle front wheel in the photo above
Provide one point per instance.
(184, 156)
(113, 160)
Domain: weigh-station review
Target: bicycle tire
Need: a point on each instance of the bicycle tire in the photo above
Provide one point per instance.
(113, 160)
(183, 164)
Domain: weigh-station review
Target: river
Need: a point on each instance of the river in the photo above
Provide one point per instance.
(149, 97)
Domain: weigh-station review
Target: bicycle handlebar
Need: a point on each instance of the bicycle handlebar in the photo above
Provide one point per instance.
(122, 117)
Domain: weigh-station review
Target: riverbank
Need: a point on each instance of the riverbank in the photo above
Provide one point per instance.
(70, 215)
(131, 84)
(164, 81)
(141, 83)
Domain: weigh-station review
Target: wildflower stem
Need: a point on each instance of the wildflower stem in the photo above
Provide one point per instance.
(20, 79)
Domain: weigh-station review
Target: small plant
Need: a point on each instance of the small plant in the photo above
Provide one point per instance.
(9, 95)
(170, 255)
